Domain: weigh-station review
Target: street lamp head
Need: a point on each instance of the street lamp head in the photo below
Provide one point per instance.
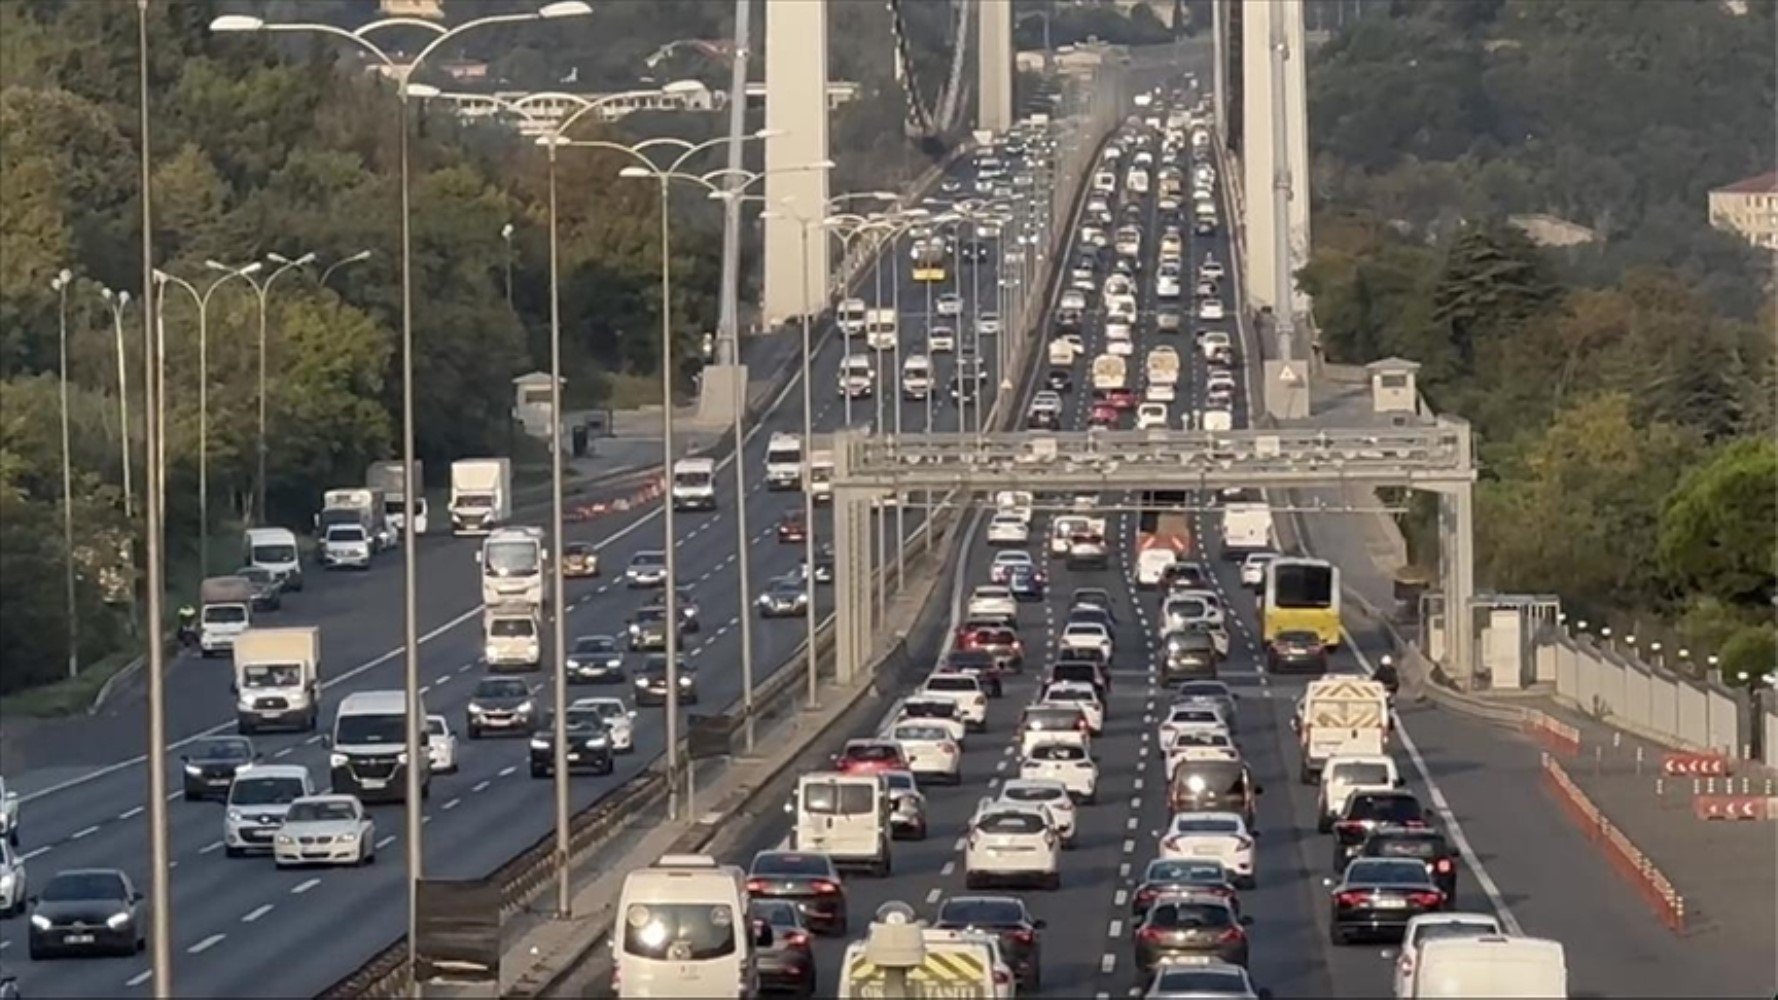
(421, 90)
(361, 255)
(683, 87)
(768, 133)
(564, 8)
(237, 22)
(772, 214)
(880, 195)
(306, 259)
(506, 231)
(161, 277)
(635, 172)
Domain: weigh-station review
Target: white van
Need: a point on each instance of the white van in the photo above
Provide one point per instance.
(882, 330)
(694, 484)
(682, 931)
(367, 750)
(820, 484)
(858, 377)
(916, 377)
(850, 316)
(273, 550)
(1492, 966)
(784, 462)
(844, 816)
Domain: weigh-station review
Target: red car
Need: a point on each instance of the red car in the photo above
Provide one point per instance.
(1118, 399)
(1103, 415)
(1003, 644)
(792, 529)
(870, 757)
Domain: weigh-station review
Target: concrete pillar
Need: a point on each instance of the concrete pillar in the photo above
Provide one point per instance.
(796, 107)
(846, 577)
(994, 67)
(1260, 157)
(1219, 71)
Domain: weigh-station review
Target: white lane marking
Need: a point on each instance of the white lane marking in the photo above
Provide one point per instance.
(298, 890)
(1107, 962)
(1115, 930)
(1123, 870)
(1440, 805)
(1120, 897)
(448, 806)
(386, 841)
(933, 896)
(257, 912)
(139, 978)
(39, 852)
(962, 842)
(1129, 847)
(949, 868)
(80, 834)
(480, 786)
(1137, 784)
(128, 813)
(507, 771)
(206, 944)
(211, 848)
(284, 752)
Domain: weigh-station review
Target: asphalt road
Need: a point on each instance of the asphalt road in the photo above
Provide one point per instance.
(243, 928)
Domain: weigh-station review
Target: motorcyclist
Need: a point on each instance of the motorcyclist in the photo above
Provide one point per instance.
(188, 625)
(1386, 674)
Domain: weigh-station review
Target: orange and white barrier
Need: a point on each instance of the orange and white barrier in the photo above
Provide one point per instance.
(1735, 807)
(1555, 735)
(1624, 856)
(1698, 765)
(647, 493)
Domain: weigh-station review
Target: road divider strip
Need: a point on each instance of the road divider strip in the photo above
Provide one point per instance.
(1624, 856)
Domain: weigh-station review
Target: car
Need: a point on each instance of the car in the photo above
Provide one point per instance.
(650, 682)
(210, 765)
(1168, 319)
(441, 745)
(1051, 795)
(1160, 392)
(1421, 843)
(1253, 569)
(1296, 651)
(992, 600)
(988, 324)
(1088, 635)
(1020, 934)
(1075, 693)
(326, 829)
(83, 911)
(1177, 978)
(998, 640)
(941, 712)
(1067, 764)
(950, 304)
(1218, 836)
(619, 719)
(1012, 843)
(580, 560)
(1176, 875)
(587, 739)
(978, 663)
(1043, 418)
(1376, 897)
(809, 881)
(941, 340)
(1059, 380)
(267, 588)
(500, 704)
(930, 750)
(9, 814)
(907, 817)
(1205, 774)
(14, 885)
(684, 602)
(647, 629)
(257, 802)
(867, 756)
(1216, 694)
(1005, 562)
(1186, 575)
(1190, 714)
(647, 569)
(1119, 399)
(1027, 583)
(1345, 775)
(1364, 812)
(1151, 416)
(1436, 927)
(823, 565)
(963, 689)
(595, 659)
(345, 545)
(1087, 550)
(1210, 268)
(784, 597)
(1103, 416)
(1190, 924)
(784, 958)
(793, 529)
(1008, 529)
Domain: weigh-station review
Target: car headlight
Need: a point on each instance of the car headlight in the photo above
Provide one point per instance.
(193, 770)
(336, 760)
(6, 881)
(40, 921)
(540, 743)
(475, 709)
(525, 708)
(285, 840)
(1195, 784)
(118, 921)
(488, 652)
(573, 664)
(641, 682)
(234, 815)
(685, 680)
(401, 758)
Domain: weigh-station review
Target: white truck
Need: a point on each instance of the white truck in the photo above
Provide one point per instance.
(694, 484)
(881, 330)
(225, 610)
(1163, 366)
(277, 679)
(821, 476)
(1246, 529)
(360, 506)
(387, 476)
(1340, 715)
(512, 562)
(784, 462)
(1491, 965)
(850, 316)
(481, 495)
(1110, 371)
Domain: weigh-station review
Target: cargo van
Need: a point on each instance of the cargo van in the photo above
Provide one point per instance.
(273, 550)
(1494, 965)
(367, 750)
(850, 316)
(844, 816)
(682, 931)
(694, 484)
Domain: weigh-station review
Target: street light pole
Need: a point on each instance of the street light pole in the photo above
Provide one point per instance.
(262, 290)
(506, 236)
(564, 890)
(60, 284)
(119, 301)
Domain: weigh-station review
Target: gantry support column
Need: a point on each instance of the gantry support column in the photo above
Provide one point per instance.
(994, 66)
(1265, 165)
(1219, 70)
(796, 109)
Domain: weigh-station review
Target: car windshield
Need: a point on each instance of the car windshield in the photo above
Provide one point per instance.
(435, 725)
(512, 628)
(1201, 689)
(603, 709)
(679, 932)
(265, 791)
(1057, 751)
(646, 560)
(274, 554)
(320, 812)
(981, 912)
(585, 719)
(501, 687)
(1190, 916)
(595, 644)
(1052, 718)
(873, 751)
(900, 781)
(1205, 824)
(1200, 982)
(223, 750)
(785, 863)
(1387, 872)
(82, 886)
(953, 683)
(271, 675)
(1360, 773)
(1011, 822)
(920, 733)
(345, 533)
(1386, 808)
(367, 729)
(933, 708)
(1194, 872)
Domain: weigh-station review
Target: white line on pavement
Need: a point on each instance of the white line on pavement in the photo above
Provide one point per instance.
(128, 813)
(211, 848)
(89, 831)
(206, 944)
(1107, 962)
(386, 841)
(298, 890)
(257, 912)
(139, 978)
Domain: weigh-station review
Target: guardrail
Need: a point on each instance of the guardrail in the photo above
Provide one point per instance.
(1629, 861)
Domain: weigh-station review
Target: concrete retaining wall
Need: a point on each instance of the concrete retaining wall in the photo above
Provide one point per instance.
(1648, 700)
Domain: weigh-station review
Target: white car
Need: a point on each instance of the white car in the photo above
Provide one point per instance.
(1061, 530)
(1007, 563)
(619, 720)
(1217, 836)
(326, 829)
(950, 304)
(1200, 743)
(9, 814)
(1253, 569)
(1160, 393)
(1346, 775)
(941, 339)
(992, 601)
(1074, 299)
(1069, 343)
(1051, 795)
(1434, 927)
(1067, 764)
(1211, 309)
(1210, 341)
(1118, 346)
(441, 745)
(963, 689)
(1166, 286)
(1012, 843)
(1183, 610)
(987, 324)
(930, 751)
(1180, 976)
(1082, 696)
(932, 711)
(1088, 635)
(1189, 715)
(1152, 416)
(13, 892)
(1008, 529)
(1211, 268)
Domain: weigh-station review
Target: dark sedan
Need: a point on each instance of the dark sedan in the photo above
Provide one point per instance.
(1366, 811)
(792, 529)
(651, 682)
(1212, 692)
(210, 765)
(783, 951)
(1296, 652)
(499, 704)
(589, 744)
(648, 629)
(267, 588)
(978, 663)
(1027, 585)
(808, 880)
(1378, 896)
(595, 659)
(1021, 940)
(1059, 380)
(1419, 843)
(87, 911)
(1190, 923)
(784, 597)
(1176, 875)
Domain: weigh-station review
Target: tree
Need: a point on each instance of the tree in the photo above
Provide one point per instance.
(1492, 282)
(1717, 534)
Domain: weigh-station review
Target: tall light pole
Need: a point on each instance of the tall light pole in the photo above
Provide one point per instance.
(119, 301)
(60, 284)
(262, 290)
(403, 73)
(327, 272)
(506, 237)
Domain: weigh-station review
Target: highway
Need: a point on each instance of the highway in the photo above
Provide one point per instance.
(243, 928)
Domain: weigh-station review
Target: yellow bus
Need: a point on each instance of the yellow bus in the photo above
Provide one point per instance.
(1302, 595)
(929, 261)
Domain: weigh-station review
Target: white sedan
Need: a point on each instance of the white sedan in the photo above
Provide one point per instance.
(441, 745)
(932, 711)
(941, 339)
(1010, 843)
(965, 690)
(619, 720)
(326, 829)
(1200, 743)
(1050, 794)
(1081, 695)
(1214, 341)
(1007, 563)
(1088, 635)
(930, 752)
(950, 304)
(1062, 529)
(1158, 392)
(992, 601)
(1068, 764)
(1008, 529)
(1152, 416)
(987, 324)
(1190, 715)
(1215, 836)
(1253, 569)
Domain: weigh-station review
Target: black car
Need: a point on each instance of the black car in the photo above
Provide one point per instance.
(1364, 812)
(783, 952)
(595, 659)
(1059, 380)
(784, 597)
(1420, 843)
(1186, 576)
(1190, 924)
(211, 763)
(1176, 875)
(978, 663)
(1043, 419)
(87, 911)
(686, 604)
(1091, 597)
(823, 564)
(589, 744)
(809, 880)
(1378, 896)
(1296, 651)
(651, 681)
(1190, 654)
(1026, 584)
(1020, 933)
(973, 250)
(501, 705)
(647, 629)
(267, 588)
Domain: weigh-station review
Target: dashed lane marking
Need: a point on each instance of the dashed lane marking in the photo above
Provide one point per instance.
(507, 771)
(257, 912)
(949, 868)
(81, 834)
(386, 841)
(448, 806)
(1130, 846)
(480, 786)
(932, 897)
(128, 813)
(1120, 897)
(211, 848)
(206, 944)
(299, 889)
(139, 978)
(1107, 962)
(1115, 930)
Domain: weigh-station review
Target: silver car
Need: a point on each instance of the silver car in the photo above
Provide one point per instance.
(12, 881)
(326, 829)
(258, 800)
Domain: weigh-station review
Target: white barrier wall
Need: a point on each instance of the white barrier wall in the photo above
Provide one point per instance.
(1770, 744)
(1660, 705)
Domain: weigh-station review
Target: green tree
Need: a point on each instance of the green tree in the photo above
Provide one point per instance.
(1719, 529)
(1492, 282)
(1752, 651)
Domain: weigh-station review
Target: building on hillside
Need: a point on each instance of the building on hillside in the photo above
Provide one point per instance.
(431, 10)
(1749, 208)
(1552, 231)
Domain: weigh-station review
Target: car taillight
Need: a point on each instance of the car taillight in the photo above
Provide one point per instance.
(1002, 977)
(1231, 935)
(1151, 934)
(1428, 900)
(1443, 867)
(1349, 826)
(1146, 894)
(824, 887)
(1350, 897)
(797, 939)
(756, 885)
(1022, 937)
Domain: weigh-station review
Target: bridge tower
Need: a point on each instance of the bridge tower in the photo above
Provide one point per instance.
(796, 110)
(994, 66)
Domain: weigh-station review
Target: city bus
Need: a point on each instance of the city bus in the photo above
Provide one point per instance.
(929, 260)
(1302, 595)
